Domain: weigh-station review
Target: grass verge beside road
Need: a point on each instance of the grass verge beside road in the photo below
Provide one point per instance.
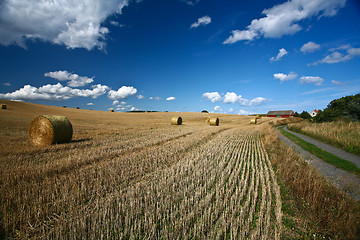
(320, 153)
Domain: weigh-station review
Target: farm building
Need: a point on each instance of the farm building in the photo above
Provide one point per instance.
(314, 113)
(282, 113)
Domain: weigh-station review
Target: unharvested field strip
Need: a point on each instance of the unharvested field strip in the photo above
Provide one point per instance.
(28, 204)
(223, 188)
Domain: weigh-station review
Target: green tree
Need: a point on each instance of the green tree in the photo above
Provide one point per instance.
(296, 114)
(305, 115)
(343, 108)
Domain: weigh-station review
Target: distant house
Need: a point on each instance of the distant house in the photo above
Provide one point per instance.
(314, 113)
(280, 114)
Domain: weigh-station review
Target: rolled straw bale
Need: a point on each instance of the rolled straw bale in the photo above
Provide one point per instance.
(49, 129)
(3, 106)
(214, 121)
(111, 110)
(176, 121)
(253, 121)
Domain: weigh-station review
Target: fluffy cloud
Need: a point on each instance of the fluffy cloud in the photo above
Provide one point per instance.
(238, 35)
(170, 98)
(231, 97)
(310, 47)
(243, 112)
(347, 54)
(90, 104)
(76, 24)
(55, 92)
(140, 96)
(282, 52)
(75, 80)
(122, 93)
(311, 80)
(115, 102)
(217, 109)
(283, 19)
(212, 96)
(285, 77)
(201, 21)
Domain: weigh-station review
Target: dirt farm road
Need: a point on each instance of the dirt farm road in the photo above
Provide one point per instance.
(342, 179)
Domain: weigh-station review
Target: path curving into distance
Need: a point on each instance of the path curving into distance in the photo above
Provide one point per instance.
(342, 179)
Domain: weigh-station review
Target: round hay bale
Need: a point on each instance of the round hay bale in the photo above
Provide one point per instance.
(253, 121)
(48, 129)
(111, 110)
(3, 106)
(176, 121)
(214, 121)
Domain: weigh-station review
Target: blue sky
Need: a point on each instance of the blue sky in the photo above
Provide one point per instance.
(237, 57)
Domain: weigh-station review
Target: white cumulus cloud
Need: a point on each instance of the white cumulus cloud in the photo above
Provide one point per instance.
(231, 97)
(140, 96)
(122, 93)
(282, 52)
(54, 92)
(311, 80)
(74, 79)
(285, 77)
(201, 22)
(212, 96)
(217, 109)
(310, 47)
(242, 112)
(284, 19)
(170, 98)
(76, 24)
(342, 54)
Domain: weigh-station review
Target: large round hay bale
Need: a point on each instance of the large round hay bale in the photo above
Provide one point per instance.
(253, 121)
(176, 121)
(48, 129)
(3, 106)
(214, 121)
(112, 110)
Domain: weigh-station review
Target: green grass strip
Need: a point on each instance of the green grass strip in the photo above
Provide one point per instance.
(321, 153)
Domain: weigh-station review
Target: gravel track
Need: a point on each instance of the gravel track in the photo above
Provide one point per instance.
(340, 178)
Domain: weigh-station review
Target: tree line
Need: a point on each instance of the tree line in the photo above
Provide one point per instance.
(345, 108)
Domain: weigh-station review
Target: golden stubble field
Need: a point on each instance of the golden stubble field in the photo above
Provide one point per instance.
(135, 176)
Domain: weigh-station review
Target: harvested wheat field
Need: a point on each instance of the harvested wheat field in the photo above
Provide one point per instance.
(136, 176)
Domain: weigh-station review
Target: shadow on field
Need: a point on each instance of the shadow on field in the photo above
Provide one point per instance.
(81, 140)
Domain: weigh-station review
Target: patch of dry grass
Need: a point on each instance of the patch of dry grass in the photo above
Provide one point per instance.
(330, 211)
(345, 135)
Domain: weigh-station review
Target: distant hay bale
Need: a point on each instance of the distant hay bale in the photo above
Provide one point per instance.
(3, 106)
(176, 121)
(207, 119)
(111, 110)
(253, 121)
(214, 121)
(48, 129)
